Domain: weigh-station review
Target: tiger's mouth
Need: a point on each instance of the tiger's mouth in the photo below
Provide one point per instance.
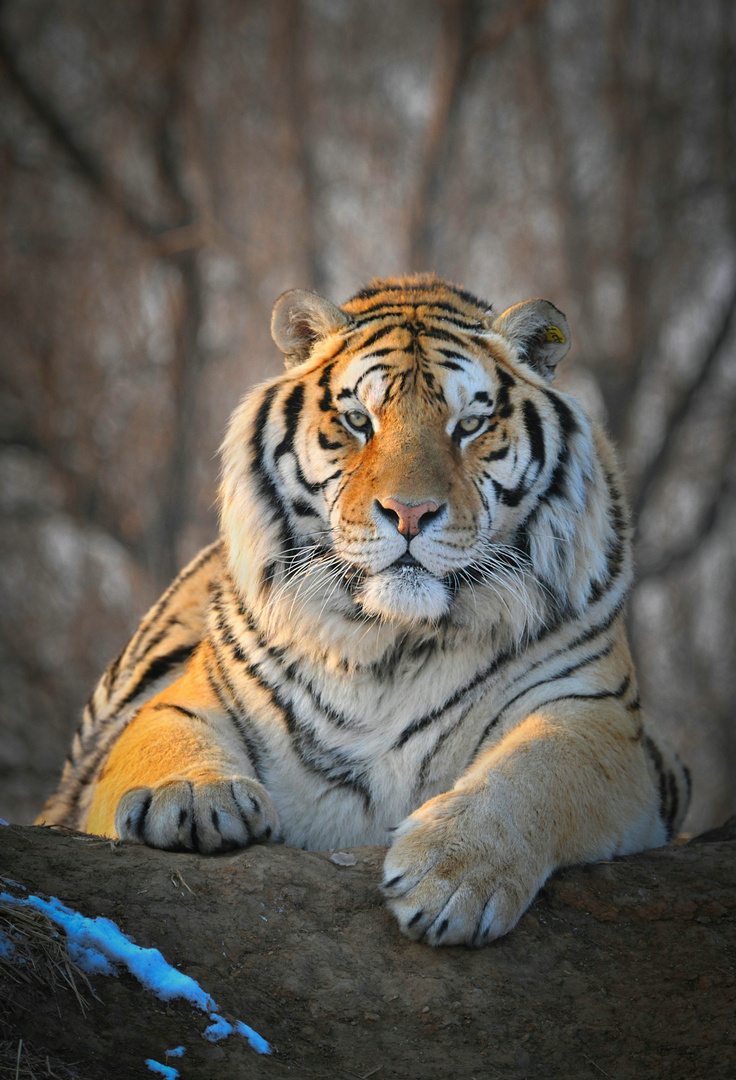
(405, 591)
(407, 559)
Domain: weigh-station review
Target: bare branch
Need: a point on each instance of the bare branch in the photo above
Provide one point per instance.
(292, 88)
(654, 470)
(458, 48)
(508, 24)
(87, 165)
(454, 61)
(709, 520)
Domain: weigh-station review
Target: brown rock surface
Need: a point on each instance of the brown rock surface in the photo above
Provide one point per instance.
(623, 969)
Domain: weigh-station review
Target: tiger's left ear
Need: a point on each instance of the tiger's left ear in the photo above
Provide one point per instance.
(539, 331)
(300, 319)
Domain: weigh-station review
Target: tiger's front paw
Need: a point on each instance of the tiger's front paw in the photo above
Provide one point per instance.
(183, 815)
(459, 875)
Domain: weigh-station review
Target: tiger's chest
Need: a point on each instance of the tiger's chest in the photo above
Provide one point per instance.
(346, 757)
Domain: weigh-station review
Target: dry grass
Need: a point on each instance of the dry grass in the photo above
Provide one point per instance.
(19, 1061)
(40, 956)
(39, 963)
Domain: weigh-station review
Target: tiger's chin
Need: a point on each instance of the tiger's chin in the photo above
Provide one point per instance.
(407, 594)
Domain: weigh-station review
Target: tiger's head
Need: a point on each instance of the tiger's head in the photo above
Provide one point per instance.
(412, 468)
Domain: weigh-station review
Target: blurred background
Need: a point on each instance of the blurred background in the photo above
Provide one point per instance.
(168, 167)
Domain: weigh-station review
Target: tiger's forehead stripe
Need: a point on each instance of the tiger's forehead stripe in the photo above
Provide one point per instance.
(449, 386)
(414, 291)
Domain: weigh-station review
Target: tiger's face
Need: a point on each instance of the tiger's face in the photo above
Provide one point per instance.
(424, 463)
(399, 457)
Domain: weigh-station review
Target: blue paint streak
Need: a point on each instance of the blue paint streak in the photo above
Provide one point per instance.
(7, 948)
(164, 1070)
(90, 960)
(256, 1041)
(100, 945)
(102, 937)
(178, 1051)
(220, 1029)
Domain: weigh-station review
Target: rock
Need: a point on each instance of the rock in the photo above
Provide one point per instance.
(621, 969)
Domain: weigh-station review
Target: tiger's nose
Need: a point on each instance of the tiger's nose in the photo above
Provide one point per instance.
(409, 520)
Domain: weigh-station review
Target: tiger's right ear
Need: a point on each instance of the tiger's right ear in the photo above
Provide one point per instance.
(300, 319)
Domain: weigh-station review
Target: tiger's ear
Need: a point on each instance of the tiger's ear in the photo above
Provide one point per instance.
(539, 331)
(300, 319)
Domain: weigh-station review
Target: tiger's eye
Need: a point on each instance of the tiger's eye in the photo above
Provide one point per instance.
(357, 419)
(469, 424)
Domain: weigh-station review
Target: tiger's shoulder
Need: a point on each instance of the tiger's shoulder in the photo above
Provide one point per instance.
(155, 655)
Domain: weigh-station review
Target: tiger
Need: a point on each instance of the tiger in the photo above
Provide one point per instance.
(410, 632)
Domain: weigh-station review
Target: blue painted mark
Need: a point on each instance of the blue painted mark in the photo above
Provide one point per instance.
(163, 1070)
(7, 948)
(97, 945)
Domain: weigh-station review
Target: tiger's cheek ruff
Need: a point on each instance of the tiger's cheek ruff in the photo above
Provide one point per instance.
(332, 672)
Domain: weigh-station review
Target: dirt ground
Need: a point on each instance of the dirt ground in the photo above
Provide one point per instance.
(622, 970)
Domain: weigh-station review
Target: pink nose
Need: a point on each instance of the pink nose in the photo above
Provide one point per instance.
(410, 517)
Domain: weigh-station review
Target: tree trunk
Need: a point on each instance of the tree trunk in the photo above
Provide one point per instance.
(621, 969)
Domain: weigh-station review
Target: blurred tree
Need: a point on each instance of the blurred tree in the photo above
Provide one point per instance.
(168, 167)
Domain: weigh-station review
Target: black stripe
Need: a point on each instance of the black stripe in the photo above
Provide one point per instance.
(90, 710)
(534, 431)
(150, 620)
(583, 639)
(568, 426)
(165, 627)
(112, 669)
(325, 402)
(422, 722)
(615, 554)
(267, 489)
(497, 455)
(654, 755)
(674, 803)
(688, 781)
(438, 309)
(385, 286)
(303, 509)
(382, 332)
(450, 354)
(600, 695)
(565, 415)
(564, 674)
(504, 407)
(384, 310)
(180, 709)
(365, 374)
(472, 299)
(157, 669)
(304, 742)
(429, 757)
(292, 411)
(268, 576)
(325, 443)
(510, 496)
(440, 334)
(227, 633)
(238, 721)
(463, 320)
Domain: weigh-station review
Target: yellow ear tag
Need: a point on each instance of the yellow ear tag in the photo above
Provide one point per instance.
(553, 333)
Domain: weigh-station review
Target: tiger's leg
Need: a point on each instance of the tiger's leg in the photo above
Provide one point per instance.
(562, 787)
(179, 778)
